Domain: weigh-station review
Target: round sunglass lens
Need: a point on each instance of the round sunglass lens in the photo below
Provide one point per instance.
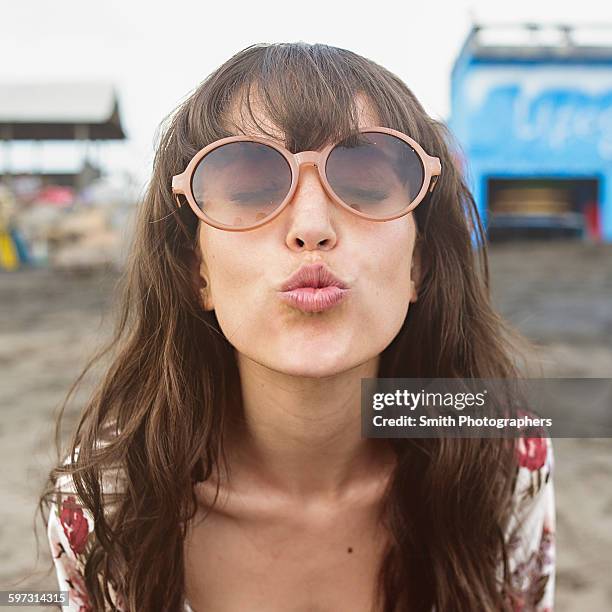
(377, 174)
(241, 183)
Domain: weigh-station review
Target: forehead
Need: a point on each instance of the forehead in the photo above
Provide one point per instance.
(239, 121)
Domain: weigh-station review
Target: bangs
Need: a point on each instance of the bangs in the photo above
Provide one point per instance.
(299, 95)
(304, 96)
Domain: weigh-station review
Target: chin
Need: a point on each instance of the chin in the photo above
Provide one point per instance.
(311, 364)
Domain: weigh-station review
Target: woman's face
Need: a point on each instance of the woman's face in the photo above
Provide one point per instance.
(245, 271)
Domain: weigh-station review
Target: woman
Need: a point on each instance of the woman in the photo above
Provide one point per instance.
(220, 458)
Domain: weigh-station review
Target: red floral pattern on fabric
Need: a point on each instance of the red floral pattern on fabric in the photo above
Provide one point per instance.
(532, 573)
(531, 452)
(531, 532)
(74, 524)
(72, 576)
(78, 591)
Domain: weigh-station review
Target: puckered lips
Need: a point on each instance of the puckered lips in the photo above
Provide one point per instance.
(313, 288)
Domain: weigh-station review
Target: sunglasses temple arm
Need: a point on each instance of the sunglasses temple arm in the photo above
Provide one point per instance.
(434, 180)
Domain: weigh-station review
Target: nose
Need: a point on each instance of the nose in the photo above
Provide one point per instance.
(310, 210)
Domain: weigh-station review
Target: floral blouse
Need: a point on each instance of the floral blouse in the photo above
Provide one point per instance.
(530, 536)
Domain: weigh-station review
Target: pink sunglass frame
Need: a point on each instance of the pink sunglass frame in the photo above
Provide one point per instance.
(181, 183)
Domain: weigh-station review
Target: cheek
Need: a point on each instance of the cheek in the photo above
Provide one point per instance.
(386, 284)
(236, 280)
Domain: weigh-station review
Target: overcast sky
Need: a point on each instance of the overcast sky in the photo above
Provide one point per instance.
(157, 52)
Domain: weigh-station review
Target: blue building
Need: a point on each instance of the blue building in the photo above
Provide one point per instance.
(531, 108)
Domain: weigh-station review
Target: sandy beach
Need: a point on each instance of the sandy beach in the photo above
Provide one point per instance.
(559, 294)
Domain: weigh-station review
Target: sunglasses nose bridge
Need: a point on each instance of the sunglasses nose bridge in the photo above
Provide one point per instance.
(307, 158)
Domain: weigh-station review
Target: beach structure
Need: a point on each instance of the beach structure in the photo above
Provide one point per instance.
(531, 108)
(77, 112)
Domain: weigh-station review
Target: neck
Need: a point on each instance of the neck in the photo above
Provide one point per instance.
(301, 437)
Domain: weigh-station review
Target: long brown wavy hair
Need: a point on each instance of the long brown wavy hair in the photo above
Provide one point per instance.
(171, 377)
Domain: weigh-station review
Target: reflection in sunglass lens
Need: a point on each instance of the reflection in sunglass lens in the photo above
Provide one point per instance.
(241, 183)
(377, 174)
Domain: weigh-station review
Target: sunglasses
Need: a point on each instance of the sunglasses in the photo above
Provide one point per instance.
(243, 182)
